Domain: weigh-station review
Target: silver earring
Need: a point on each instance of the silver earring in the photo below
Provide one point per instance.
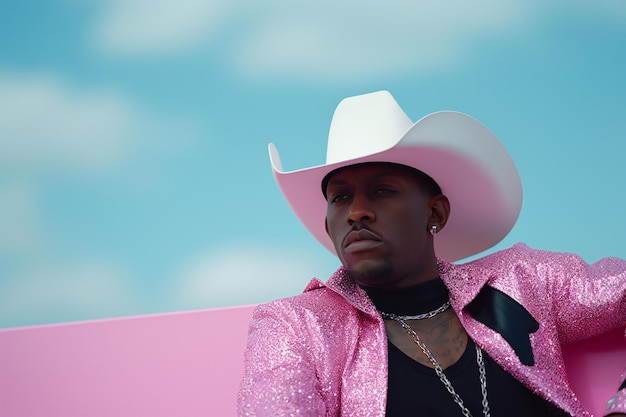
(433, 230)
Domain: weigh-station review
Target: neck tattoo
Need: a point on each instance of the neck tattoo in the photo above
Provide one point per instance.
(438, 369)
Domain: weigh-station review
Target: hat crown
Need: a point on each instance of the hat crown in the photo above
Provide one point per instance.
(365, 125)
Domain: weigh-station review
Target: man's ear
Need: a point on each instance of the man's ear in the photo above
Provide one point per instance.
(440, 211)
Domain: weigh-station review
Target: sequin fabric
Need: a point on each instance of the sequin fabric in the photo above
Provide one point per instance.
(324, 352)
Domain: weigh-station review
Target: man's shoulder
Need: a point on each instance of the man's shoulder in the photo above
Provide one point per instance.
(519, 257)
(522, 252)
(512, 254)
(316, 298)
(502, 261)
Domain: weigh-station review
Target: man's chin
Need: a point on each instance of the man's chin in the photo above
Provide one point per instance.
(370, 273)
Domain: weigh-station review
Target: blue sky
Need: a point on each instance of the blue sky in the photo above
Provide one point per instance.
(134, 176)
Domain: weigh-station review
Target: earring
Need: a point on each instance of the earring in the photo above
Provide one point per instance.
(433, 230)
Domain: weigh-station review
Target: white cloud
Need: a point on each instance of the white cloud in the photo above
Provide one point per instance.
(344, 40)
(47, 123)
(56, 293)
(325, 39)
(156, 26)
(329, 40)
(245, 274)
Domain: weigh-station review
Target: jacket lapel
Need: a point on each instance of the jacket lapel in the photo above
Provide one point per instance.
(506, 316)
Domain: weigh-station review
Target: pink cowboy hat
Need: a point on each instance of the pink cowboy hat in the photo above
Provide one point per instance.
(468, 162)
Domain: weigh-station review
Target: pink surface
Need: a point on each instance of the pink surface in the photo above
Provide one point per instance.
(184, 365)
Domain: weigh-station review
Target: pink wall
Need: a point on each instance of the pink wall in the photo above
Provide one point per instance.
(183, 365)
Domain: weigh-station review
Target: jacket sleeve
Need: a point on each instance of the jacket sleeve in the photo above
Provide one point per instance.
(279, 376)
(587, 299)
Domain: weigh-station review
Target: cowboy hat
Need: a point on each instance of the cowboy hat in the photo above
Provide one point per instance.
(468, 162)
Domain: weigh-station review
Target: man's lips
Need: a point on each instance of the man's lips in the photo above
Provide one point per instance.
(361, 237)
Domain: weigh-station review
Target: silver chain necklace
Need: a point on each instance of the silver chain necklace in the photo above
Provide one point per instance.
(439, 370)
(428, 315)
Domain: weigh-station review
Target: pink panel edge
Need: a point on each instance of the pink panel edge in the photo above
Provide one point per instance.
(243, 308)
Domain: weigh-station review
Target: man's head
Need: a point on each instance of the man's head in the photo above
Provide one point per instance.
(378, 218)
(465, 159)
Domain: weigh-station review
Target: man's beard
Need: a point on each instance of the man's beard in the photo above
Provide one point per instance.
(373, 275)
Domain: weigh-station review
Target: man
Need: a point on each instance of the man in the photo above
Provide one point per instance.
(399, 330)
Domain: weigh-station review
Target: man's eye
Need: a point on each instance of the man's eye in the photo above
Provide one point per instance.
(338, 197)
(384, 191)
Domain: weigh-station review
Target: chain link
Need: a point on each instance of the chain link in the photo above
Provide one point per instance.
(428, 315)
(439, 370)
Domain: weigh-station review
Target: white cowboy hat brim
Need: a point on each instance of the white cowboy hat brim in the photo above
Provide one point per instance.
(468, 162)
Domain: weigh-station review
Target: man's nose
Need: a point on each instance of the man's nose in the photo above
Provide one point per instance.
(360, 211)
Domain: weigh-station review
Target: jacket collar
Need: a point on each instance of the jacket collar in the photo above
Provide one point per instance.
(469, 292)
(495, 309)
(341, 283)
(464, 285)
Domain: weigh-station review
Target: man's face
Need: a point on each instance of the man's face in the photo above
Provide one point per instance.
(377, 218)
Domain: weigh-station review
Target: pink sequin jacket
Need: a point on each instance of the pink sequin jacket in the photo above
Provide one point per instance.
(324, 352)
